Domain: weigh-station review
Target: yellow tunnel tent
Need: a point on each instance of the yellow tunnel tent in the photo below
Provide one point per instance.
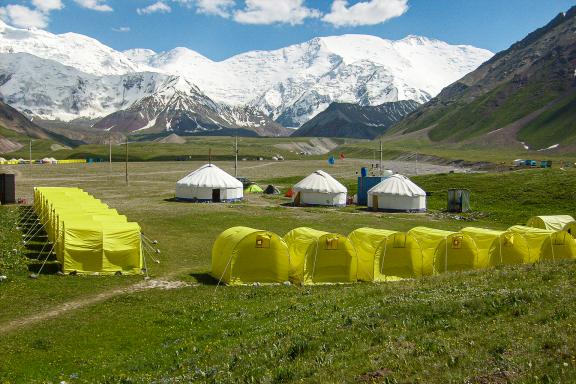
(320, 257)
(553, 222)
(446, 251)
(242, 255)
(571, 228)
(500, 247)
(549, 245)
(385, 255)
(88, 236)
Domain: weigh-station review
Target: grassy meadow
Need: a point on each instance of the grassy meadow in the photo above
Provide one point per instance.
(513, 324)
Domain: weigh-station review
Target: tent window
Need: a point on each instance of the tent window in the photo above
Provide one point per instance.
(399, 240)
(457, 242)
(331, 243)
(262, 241)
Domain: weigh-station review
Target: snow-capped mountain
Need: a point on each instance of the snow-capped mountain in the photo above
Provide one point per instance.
(293, 84)
(49, 90)
(179, 106)
(81, 52)
(70, 76)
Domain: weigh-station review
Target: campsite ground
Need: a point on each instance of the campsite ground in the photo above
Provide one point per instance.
(506, 324)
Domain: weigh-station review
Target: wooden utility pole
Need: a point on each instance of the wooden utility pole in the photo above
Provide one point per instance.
(380, 166)
(209, 155)
(30, 151)
(236, 156)
(126, 160)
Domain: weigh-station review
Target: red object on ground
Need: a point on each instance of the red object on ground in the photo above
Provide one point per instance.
(289, 193)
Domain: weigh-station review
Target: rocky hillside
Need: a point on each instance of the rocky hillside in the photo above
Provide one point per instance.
(523, 96)
(15, 128)
(355, 121)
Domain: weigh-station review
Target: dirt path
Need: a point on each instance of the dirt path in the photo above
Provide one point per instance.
(73, 305)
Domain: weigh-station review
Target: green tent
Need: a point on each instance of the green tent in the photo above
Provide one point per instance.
(253, 188)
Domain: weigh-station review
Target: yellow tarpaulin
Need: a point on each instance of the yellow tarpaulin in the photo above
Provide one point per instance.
(449, 251)
(500, 247)
(320, 257)
(552, 222)
(570, 228)
(385, 255)
(549, 245)
(88, 236)
(243, 255)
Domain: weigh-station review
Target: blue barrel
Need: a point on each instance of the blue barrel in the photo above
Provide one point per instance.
(364, 171)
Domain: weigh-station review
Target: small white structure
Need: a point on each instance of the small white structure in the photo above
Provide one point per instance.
(319, 188)
(209, 183)
(397, 193)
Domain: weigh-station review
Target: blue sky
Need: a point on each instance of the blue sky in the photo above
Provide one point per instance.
(221, 28)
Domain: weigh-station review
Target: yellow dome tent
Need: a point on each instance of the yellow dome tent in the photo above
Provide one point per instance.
(385, 255)
(320, 257)
(549, 245)
(571, 228)
(500, 247)
(554, 222)
(448, 251)
(243, 255)
(88, 236)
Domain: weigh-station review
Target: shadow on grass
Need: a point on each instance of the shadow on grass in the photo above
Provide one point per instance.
(176, 200)
(48, 269)
(204, 278)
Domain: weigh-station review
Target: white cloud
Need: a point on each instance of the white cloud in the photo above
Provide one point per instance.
(269, 12)
(47, 5)
(365, 12)
(23, 17)
(159, 6)
(121, 29)
(95, 5)
(215, 7)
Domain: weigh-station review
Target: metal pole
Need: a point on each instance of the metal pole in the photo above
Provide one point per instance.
(110, 150)
(30, 151)
(209, 155)
(126, 161)
(236, 157)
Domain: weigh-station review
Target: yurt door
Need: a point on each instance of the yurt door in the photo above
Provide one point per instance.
(297, 199)
(375, 202)
(216, 195)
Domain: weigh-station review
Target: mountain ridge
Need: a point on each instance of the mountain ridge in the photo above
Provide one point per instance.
(355, 121)
(536, 74)
(70, 76)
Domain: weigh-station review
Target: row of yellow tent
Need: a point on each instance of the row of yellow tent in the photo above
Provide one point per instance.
(244, 255)
(88, 236)
(22, 161)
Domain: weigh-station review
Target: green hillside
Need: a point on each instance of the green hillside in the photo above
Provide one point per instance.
(528, 90)
(556, 125)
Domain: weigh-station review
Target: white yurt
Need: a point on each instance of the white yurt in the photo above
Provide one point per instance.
(397, 193)
(319, 188)
(209, 183)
